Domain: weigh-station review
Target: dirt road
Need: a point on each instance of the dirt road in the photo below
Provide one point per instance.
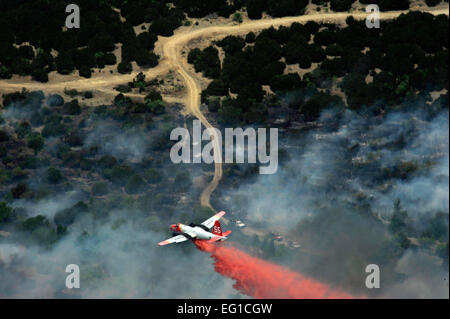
(170, 49)
(173, 48)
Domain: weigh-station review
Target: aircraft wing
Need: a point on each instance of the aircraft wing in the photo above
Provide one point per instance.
(176, 239)
(210, 221)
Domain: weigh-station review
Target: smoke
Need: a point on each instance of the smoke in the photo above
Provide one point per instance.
(423, 277)
(122, 262)
(261, 279)
(349, 156)
(335, 195)
(48, 207)
(23, 106)
(114, 242)
(114, 141)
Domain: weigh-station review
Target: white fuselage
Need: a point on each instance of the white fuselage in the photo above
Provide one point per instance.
(198, 231)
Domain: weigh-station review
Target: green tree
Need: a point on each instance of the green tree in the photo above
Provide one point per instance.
(5, 72)
(319, 102)
(54, 175)
(19, 190)
(35, 141)
(400, 221)
(107, 161)
(152, 96)
(23, 129)
(119, 174)
(5, 212)
(33, 223)
(237, 17)
(152, 175)
(99, 189)
(135, 185)
(255, 8)
(442, 251)
(67, 216)
(124, 67)
(72, 108)
(156, 107)
(45, 236)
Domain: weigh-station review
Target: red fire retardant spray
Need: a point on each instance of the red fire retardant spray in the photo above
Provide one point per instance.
(262, 279)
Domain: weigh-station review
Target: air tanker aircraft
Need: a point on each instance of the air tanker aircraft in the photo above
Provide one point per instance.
(198, 232)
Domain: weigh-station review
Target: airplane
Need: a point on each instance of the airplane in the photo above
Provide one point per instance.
(198, 232)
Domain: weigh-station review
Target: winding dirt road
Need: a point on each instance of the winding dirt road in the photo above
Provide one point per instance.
(170, 49)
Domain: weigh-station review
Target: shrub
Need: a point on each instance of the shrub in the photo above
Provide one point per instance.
(72, 138)
(67, 216)
(86, 164)
(318, 102)
(217, 87)
(124, 67)
(152, 175)
(110, 59)
(19, 190)
(231, 44)
(33, 223)
(99, 189)
(18, 172)
(182, 180)
(85, 72)
(255, 9)
(71, 92)
(72, 108)
(64, 63)
(157, 107)
(5, 72)
(37, 119)
(23, 129)
(153, 96)
(71, 159)
(146, 59)
(5, 212)
(35, 141)
(53, 128)
(4, 137)
(121, 99)
(54, 175)
(237, 17)
(30, 162)
(135, 185)
(163, 26)
(250, 37)
(14, 97)
(40, 75)
(341, 5)
(119, 174)
(107, 161)
(88, 95)
(213, 104)
(432, 3)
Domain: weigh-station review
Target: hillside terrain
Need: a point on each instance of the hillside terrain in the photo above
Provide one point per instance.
(86, 115)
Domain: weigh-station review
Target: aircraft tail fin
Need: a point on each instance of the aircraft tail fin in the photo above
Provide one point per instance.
(217, 229)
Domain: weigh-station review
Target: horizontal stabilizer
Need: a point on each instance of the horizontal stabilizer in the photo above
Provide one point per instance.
(225, 234)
